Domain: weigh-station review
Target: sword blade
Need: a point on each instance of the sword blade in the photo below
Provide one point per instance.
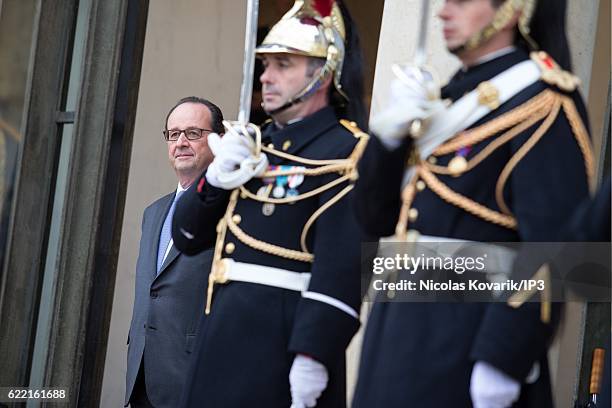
(250, 39)
(420, 55)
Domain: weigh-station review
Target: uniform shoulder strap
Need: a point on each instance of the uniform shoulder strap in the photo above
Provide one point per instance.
(552, 73)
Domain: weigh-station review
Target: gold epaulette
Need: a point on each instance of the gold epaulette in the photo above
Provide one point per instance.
(363, 138)
(552, 73)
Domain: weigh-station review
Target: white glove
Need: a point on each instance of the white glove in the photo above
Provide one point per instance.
(491, 388)
(308, 379)
(414, 98)
(234, 163)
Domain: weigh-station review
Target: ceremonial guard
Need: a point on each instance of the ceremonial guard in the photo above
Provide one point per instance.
(284, 291)
(501, 154)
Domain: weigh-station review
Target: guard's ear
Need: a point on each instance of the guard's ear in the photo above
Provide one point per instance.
(326, 85)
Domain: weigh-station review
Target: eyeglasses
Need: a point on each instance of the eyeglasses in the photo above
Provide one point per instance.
(173, 135)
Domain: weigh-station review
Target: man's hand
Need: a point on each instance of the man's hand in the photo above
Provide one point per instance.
(234, 163)
(491, 388)
(308, 379)
(413, 99)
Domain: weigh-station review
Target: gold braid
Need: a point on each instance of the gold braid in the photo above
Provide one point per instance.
(302, 160)
(408, 194)
(452, 197)
(491, 147)
(521, 152)
(346, 168)
(318, 171)
(539, 103)
(258, 244)
(320, 211)
(582, 137)
(293, 199)
(545, 106)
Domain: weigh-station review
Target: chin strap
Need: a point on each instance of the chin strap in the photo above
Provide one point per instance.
(305, 93)
(504, 14)
(331, 66)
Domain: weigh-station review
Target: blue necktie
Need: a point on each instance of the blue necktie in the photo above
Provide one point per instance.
(166, 233)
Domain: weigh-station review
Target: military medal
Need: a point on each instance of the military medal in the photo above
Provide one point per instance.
(263, 191)
(459, 164)
(296, 179)
(279, 189)
(294, 182)
(267, 209)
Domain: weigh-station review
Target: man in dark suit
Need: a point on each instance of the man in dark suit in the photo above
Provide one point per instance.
(170, 287)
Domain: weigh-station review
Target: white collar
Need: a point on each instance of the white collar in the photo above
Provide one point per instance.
(180, 189)
(491, 56)
(289, 122)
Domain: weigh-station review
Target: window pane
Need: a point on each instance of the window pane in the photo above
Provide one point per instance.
(16, 27)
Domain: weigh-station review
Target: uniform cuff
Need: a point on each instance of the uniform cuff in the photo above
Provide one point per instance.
(512, 339)
(322, 331)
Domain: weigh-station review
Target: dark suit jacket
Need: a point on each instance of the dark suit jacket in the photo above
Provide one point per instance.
(166, 312)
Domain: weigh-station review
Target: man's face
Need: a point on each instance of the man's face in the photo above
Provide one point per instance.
(284, 76)
(464, 18)
(190, 157)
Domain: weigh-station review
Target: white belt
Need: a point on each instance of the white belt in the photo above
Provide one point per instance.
(500, 259)
(230, 270)
(264, 275)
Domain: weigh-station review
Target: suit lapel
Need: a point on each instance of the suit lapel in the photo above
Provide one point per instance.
(172, 254)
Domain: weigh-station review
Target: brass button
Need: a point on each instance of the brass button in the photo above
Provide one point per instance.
(432, 159)
(413, 214)
(488, 95)
(420, 185)
(229, 248)
(271, 146)
(286, 145)
(236, 218)
(457, 166)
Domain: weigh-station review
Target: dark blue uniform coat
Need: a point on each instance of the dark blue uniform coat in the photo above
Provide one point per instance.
(421, 355)
(247, 344)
